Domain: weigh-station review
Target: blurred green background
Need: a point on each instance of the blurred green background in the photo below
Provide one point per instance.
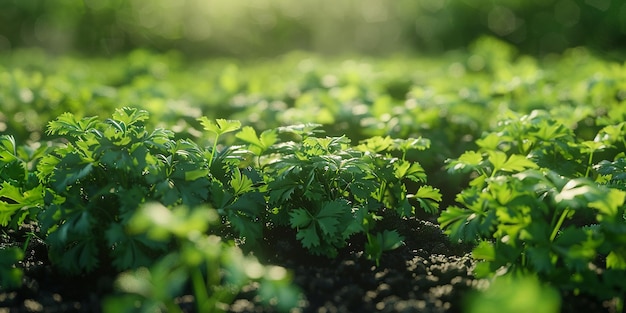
(246, 28)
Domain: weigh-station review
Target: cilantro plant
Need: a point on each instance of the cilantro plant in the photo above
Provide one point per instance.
(328, 190)
(87, 193)
(21, 199)
(540, 202)
(234, 189)
(84, 189)
(20, 191)
(97, 178)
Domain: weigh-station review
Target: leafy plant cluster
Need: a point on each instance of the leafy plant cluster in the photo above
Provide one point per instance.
(546, 181)
(450, 100)
(543, 201)
(83, 193)
(85, 189)
(324, 188)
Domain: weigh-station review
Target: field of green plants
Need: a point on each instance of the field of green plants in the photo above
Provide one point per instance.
(171, 175)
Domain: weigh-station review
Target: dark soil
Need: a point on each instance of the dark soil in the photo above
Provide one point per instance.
(427, 274)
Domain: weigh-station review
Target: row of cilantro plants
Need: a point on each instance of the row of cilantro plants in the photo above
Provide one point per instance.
(541, 202)
(116, 192)
(544, 202)
(544, 195)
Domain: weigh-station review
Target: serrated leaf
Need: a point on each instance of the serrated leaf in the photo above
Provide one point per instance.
(411, 143)
(193, 192)
(376, 144)
(129, 116)
(67, 123)
(390, 240)
(404, 207)
(489, 142)
(483, 269)
(616, 259)
(609, 204)
(363, 189)
(328, 226)
(305, 129)
(220, 126)
(251, 203)
(268, 137)
(428, 198)
(333, 209)
(118, 128)
(514, 163)
(484, 251)
(412, 171)
(8, 149)
(281, 194)
(248, 134)
(467, 161)
(11, 192)
(19, 201)
(576, 246)
(518, 163)
(167, 192)
(69, 170)
(258, 145)
(451, 216)
(329, 216)
(611, 133)
(299, 218)
(240, 182)
(428, 192)
(308, 236)
(464, 224)
(593, 146)
(497, 159)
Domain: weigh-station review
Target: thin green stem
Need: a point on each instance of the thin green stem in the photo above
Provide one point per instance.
(213, 150)
(589, 163)
(558, 225)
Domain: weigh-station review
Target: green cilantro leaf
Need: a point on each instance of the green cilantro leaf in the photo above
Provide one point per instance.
(428, 198)
(220, 126)
(308, 236)
(240, 182)
(300, 218)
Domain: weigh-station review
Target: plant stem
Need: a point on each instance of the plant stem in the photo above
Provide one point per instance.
(589, 164)
(213, 150)
(557, 227)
